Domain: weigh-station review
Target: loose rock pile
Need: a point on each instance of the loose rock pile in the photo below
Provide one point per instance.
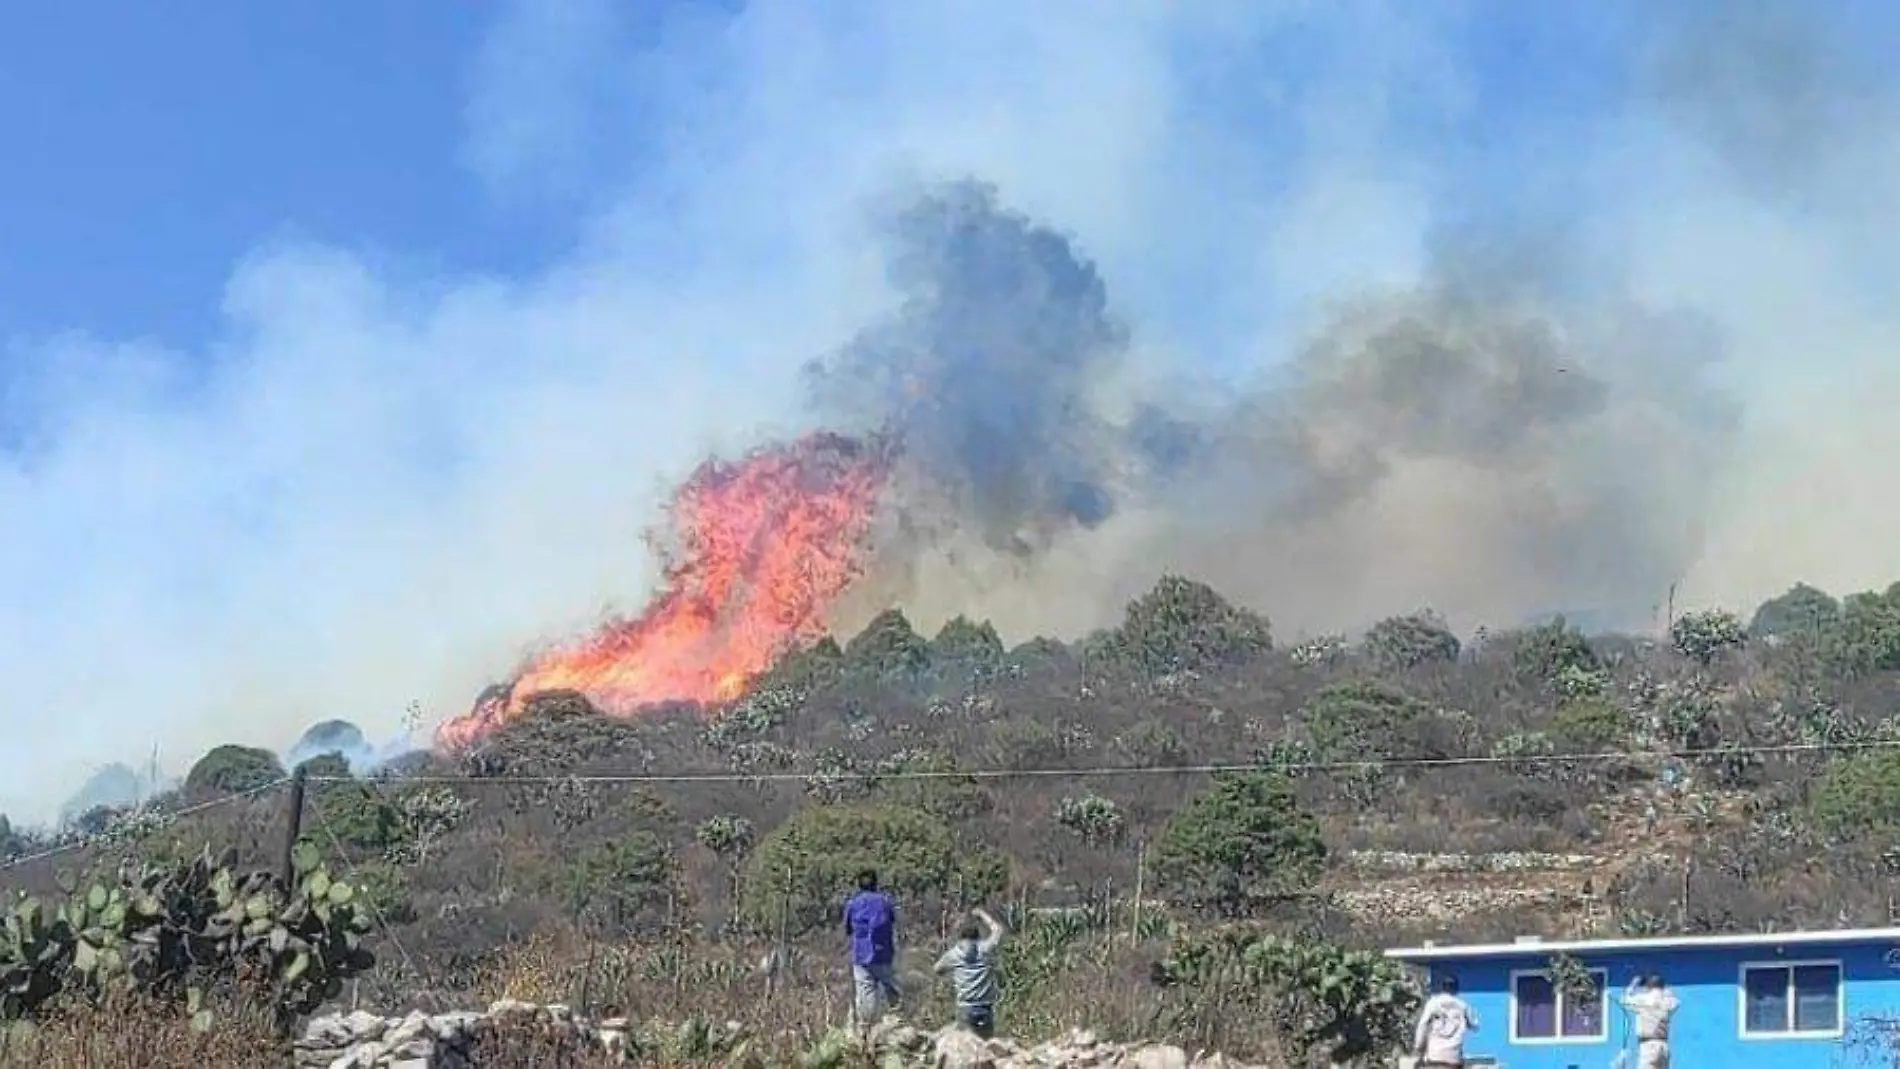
(362, 1040)
(954, 1048)
(443, 1041)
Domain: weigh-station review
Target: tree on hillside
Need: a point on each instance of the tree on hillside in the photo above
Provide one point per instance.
(1866, 637)
(888, 647)
(1703, 636)
(1859, 795)
(965, 645)
(1362, 720)
(326, 766)
(612, 882)
(1548, 651)
(1184, 625)
(801, 671)
(1411, 640)
(1591, 725)
(730, 838)
(806, 865)
(1041, 654)
(1092, 818)
(1243, 843)
(1803, 611)
(232, 769)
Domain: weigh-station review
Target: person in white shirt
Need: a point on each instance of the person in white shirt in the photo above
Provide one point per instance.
(1652, 1004)
(1439, 1039)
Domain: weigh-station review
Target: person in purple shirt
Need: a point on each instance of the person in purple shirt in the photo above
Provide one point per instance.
(871, 919)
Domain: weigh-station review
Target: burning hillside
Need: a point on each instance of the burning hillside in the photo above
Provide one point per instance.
(1482, 442)
(760, 549)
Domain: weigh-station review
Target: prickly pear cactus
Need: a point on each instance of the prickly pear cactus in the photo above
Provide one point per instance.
(175, 931)
(33, 956)
(1344, 1003)
(312, 941)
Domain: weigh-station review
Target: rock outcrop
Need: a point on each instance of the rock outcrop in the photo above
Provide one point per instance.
(363, 1040)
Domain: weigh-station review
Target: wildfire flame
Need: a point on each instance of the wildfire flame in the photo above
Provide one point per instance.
(765, 546)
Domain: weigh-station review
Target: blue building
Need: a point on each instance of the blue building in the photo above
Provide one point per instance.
(1791, 1000)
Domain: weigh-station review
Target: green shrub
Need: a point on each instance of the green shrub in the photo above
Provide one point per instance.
(1703, 636)
(888, 647)
(1546, 652)
(1866, 637)
(1184, 625)
(1591, 725)
(613, 881)
(1332, 1005)
(1411, 640)
(1859, 795)
(807, 864)
(1242, 843)
(1362, 720)
(1803, 611)
(965, 645)
(232, 769)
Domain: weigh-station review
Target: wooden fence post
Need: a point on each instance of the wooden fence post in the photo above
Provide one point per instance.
(293, 826)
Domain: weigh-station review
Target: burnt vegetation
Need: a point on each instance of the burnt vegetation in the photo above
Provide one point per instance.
(1400, 785)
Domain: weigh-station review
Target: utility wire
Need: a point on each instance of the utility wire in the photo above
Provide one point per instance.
(1148, 770)
(168, 815)
(1093, 772)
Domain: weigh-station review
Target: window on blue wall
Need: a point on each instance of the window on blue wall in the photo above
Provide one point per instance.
(1801, 998)
(1539, 1010)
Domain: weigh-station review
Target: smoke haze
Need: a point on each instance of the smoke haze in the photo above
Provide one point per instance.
(1348, 309)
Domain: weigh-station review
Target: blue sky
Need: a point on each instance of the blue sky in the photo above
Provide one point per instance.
(151, 157)
(321, 324)
(154, 147)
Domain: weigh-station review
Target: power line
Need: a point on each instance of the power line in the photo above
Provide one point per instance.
(1148, 770)
(167, 815)
(1091, 772)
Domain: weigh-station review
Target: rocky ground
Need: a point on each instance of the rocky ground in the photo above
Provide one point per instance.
(363, 1040)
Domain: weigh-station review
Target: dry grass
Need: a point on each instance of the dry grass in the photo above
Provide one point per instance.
(127, 1032)
(1098, 981)
(523, 1044)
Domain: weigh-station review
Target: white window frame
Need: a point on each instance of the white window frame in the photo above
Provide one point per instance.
(1840, 1000)
(1603, 1017)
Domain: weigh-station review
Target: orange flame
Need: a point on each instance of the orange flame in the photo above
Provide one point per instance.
(766, 546)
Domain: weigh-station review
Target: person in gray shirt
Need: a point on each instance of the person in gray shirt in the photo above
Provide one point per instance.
(971, 963)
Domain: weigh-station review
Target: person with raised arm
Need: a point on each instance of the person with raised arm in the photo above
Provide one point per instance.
(1653, 1005)
(971, 963)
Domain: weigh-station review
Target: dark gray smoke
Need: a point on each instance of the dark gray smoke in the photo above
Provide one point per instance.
(986, 367)
(1509, 438)
(1489, 450)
